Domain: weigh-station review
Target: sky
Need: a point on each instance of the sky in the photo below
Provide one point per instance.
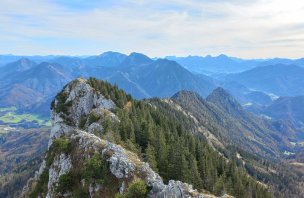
(240, 28)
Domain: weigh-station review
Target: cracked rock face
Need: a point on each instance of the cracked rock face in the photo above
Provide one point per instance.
(60, 166)
(120, 165)
(84, 98)
(95, 128)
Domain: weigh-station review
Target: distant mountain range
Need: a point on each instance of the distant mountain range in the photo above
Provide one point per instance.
(213, 65)
(198, 64)
(281, 80)
(30, 83)
(5, 59)
(216, 64)
(24, 83)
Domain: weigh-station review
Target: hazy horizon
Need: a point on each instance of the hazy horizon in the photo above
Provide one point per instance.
(153, 57)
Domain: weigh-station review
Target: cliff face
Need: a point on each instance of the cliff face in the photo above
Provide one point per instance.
(80, 164)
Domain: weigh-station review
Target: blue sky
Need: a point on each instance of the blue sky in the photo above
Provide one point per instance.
(243, 28)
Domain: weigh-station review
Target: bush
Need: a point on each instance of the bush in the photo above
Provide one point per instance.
(96, 169)
(93, 117)
(65, 183)
(49, 158)
(137, 189)
(62, 144)
(61, 106)
(82, 122)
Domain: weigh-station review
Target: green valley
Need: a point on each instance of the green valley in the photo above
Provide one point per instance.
(11, 116)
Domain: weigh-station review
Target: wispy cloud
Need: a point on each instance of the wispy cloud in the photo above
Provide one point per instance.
(259, 28)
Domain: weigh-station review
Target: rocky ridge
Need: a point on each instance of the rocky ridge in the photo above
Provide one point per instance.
(78, 100)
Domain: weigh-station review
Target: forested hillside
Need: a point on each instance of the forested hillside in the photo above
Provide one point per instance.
(157, 133)
(164, 138)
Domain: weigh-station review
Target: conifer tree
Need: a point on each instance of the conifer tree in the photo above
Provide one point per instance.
(150, 157)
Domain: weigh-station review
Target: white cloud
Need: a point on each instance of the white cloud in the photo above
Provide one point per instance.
(261, 28)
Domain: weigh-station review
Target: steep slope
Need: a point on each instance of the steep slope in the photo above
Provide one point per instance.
(282, 80)
(222, 116)
(226, 102)
(45, 77)
(81, 162)
(125, 82)
(257, 144)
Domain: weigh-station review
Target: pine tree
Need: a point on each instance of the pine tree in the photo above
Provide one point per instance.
(219, 189)
(194, 175)
(150, 157)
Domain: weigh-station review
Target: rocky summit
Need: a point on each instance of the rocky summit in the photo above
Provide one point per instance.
(79, 163)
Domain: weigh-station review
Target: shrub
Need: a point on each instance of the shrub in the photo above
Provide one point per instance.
(49, 158)
(80, 193)
(82, 122)
(41, 186)
(93, 117)
(62, 144)
(137, 189)
(96, 169)
(65, 183)
(61, 106)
